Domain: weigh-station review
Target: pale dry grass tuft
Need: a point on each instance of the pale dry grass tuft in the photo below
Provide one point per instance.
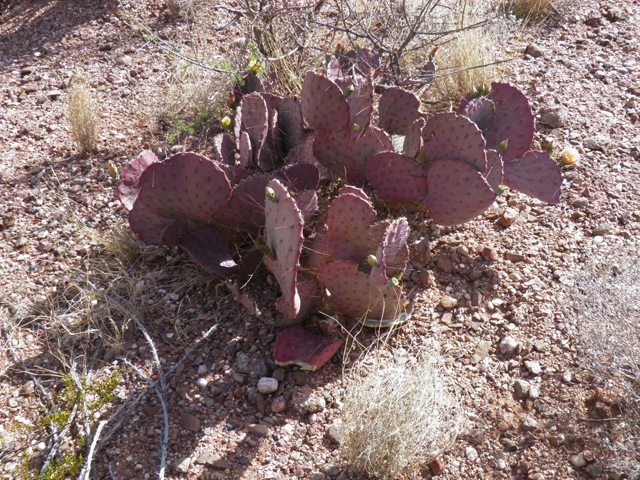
(400, 412)
(605, 296)
(83, 115)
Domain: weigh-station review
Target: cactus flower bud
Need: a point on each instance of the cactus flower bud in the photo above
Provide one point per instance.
(113, 170)
(393, 282)
(549, 148)
(503, 146)
(356, 128)
(271, 194)
(350, 90)
(372, 261)
(226, 122)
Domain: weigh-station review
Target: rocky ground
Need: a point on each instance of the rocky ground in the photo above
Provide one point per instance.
(493, 293)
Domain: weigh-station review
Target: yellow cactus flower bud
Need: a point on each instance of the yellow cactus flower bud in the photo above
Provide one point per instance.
(569, 156)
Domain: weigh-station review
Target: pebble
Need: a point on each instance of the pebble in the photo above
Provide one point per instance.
(202, 383)
(267, 385)
(191, 423)
(534, 51)
(437, 467)
(557, 440)
(301, 378)
(482, 352)
(601, 229)
(448, 302)
(12, 402)
(508, 217)
(501, 464)
(41, 446)
(471, 453)
(20, 242)
(490, 254)
(305, 400)
(444, 265)
(202, 369)
(334, 434)
(535, 476)
(555, 118)
(509, 346)
(330, 470)
(278, 405)
(259, 430)
(521, 388)
(182, 465)
(578, 460)
(534, 391)
(533, 367)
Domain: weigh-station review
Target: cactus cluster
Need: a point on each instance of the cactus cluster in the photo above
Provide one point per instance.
(263, 190)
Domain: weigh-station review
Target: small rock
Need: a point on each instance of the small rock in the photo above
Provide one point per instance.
(578, 460)
(305, 400)
(557, 440)
(476, 298)
(278, 374)
(182, 465)
(482, 352)
(555, 118)
(278, 405)
(588, 456)
(330, 470)
(514, 257)
(426, 278)
(202, 383)
(490, 254)
(508, 217)
(215, 461)
(191, 423)
(521, 388)
(28, 388)
(601, 229)
(616, 15)
(54, 94)
(178, 149)
(534, 51)
(267, 385)
(448, 302)
(20, 242)
(334, 434)
(509, 346)
(580, 202)
(259, 430)
(476, 274)
(301, 378)
(476, 436)
(124, 60)
(437, 467)
(444, 265)
(595, 143)
(529, 424)
(471, 453)
(534, 391)
(501, 464)
(535, 476)
(533, 367)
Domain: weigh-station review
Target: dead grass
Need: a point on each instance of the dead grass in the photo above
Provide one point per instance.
(83, 115)
(400, 411)
(605, 296)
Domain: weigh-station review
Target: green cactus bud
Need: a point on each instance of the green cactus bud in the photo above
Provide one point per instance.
(357, 128)
(226, 122)
(421, 158)
(271, 194)
(393, 282)
(503, 146)
(549, 148)
(350, 90)
(372, 261)
(113, 171)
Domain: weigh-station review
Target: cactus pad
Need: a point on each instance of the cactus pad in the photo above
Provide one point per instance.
(453, 137)
(397, 179)
(209, 248)
(290, 123)
(307, 203)
(323, 104)
(536, 174)
(128, 185)
(393, 254)
(358, 295)
(361, 106)
(480, 111)
(398, 109)
(513, 120)
(495, 170)
(457, 192)
(227, 153)
(297, 346)
(413, 140)
(350, 233)
(284, 236)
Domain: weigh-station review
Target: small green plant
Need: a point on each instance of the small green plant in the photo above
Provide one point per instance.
(68, 465)
(180, 127)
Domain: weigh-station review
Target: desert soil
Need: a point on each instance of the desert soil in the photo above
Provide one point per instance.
(510, 331)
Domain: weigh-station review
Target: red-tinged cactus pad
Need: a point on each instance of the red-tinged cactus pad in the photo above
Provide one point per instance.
(413, 140)
(299, 177)
(255, 121)
(323, 104)
(397, 179)
(361, 106)
(495, 170)
(187, 186)
(246, 150)
(128, 185)
(371, 141)
(148, 226)
(536, 174)
(481, 111)
(513, 120)
(393, 254)
(332, 150)
(398, 109)
(307, 203)
(356, 294)
(350, 233)
(310, 300)
(297, 346)
(284, 236)
(290, 123)
(451, 136)
(245, 210)
(209, 248)
(227, 151)
(457, 192)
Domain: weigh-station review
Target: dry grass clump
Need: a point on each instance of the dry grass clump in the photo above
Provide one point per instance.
(83, 115)
(400, 412)
(605, 295)
(181, 8)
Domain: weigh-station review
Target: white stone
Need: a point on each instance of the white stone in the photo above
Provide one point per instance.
(267, 385)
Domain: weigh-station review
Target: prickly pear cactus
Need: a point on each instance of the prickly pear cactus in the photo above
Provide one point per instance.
(535, 174)
(398, 109)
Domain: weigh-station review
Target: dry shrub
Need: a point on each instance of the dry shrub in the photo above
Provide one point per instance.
(605, 296)
(82, 112)
(400, 412)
